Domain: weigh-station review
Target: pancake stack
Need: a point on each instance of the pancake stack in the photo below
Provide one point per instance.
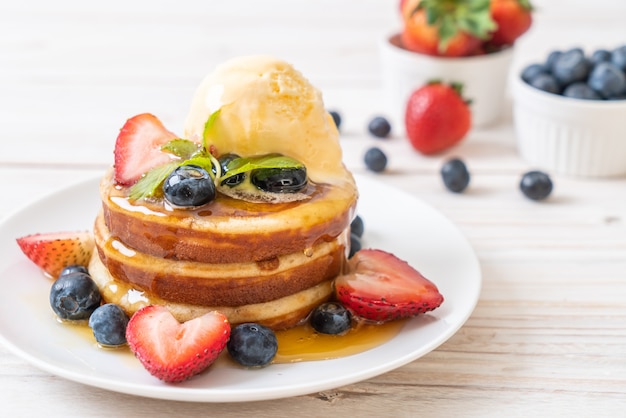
(254, 261)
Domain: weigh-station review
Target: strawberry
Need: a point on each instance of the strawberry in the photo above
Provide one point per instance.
(513, 18)
(56, 250)
(381, 287)
(450, 28)
(174, 352)
(138, 148)
(437, 117)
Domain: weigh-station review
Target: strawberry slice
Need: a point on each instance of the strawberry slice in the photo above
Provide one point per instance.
(56, 250)
(381, 287)
(138, 148)
(174, 352)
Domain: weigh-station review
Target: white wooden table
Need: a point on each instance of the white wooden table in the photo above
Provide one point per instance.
(548, 336)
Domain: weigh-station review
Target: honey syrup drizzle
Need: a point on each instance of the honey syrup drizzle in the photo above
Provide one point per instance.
(300, 343)
(297, 344)
(303, 343)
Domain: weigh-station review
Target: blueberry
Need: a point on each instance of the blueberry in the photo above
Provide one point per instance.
(189, 186)
(379, 127)
(607, 80)
(455, 176)
(546, 82)
(331, 318)
(252, 345)
(375, 160)
(600, 55)
(355, 245)
(532, 71)
(74, 268)
(357, 227)
(536, 185)
(552, 57)
(618, 57)
(232, 181)
(577, 50)
(570, 67)
(108, 323)
(74, 296)
(279, 180)
(224, 160)
(336, 118)
(580, 90)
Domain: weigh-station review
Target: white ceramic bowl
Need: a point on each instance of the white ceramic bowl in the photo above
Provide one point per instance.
(585, 138)
(484, 79)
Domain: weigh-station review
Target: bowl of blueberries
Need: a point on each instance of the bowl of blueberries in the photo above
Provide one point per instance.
(569, 112)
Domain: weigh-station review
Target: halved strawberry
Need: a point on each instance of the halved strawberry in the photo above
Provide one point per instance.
(172, 351)
(56, 250)
(138, 147)
(381, 287)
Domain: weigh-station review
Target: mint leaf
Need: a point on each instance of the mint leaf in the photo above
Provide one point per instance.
(202, 161)
(148, 185)
(182, 148)
(244, 165)
(208, 129)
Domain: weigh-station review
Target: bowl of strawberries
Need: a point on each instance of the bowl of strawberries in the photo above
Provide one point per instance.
(468, 42)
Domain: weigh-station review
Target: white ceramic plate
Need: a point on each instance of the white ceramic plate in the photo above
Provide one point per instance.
(395, 222)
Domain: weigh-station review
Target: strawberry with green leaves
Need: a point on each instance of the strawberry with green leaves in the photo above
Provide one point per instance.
(54, 251)
(437, 117)
(381, 287)
(451, 28)
(174, 352)
(513, 18)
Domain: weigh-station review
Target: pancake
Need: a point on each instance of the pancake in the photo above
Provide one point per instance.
(278, 314)
(227, 230)
(223, 284)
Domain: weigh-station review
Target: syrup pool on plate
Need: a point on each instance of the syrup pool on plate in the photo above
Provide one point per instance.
(303, 343)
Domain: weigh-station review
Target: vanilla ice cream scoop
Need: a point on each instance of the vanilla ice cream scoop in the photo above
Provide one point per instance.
(266, 106)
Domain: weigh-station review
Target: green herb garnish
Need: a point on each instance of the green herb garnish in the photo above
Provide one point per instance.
(208, 132)
(148, 185)
(205, 161)
(182, 148)
(244, 165)
(192, 153)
